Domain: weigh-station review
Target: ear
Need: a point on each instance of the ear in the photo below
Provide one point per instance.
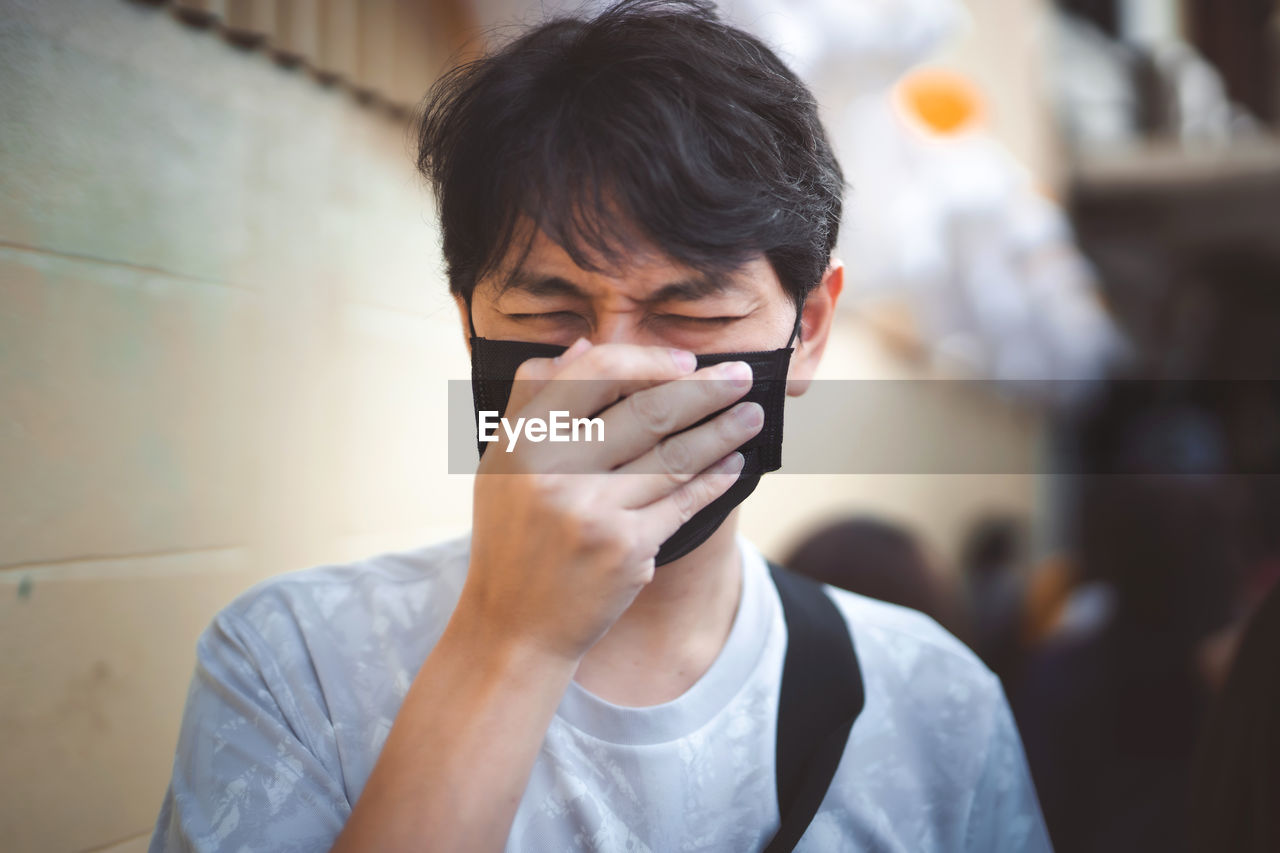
(815, 327)
(464, 315)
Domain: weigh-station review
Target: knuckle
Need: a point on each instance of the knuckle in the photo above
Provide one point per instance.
(606, 535)
(549, 486)
(553, 465)
(602, 360)
(676, 459)
(650, 412)
(721, 392)
(626, 538)
(687, 500)
(727, 428)
(593, 532)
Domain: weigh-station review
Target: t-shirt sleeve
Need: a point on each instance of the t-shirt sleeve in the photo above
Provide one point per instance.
(254, 769)
(1004, 814)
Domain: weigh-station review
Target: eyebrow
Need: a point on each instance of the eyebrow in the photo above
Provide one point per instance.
(689, 289)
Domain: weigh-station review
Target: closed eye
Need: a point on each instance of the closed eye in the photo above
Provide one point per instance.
(573, 316)
(546, 315)
(704, 321)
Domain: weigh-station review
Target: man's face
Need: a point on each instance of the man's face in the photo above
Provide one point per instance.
(649, 300)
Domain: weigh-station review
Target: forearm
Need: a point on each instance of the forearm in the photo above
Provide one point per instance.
(459, 755)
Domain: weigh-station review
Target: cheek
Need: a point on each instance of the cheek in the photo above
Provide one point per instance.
(767, 329)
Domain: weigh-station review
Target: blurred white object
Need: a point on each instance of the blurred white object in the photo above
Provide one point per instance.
(850, 45)
(951, 224)
(1087, 611)
(1149, 21)
(1203, 111)
(1092, 81)
(988, 262)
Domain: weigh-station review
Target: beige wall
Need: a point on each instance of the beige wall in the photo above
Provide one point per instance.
(223, 336)
(224, 341)
(1003, 51)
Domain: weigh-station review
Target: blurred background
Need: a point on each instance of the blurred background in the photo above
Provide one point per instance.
(225, 338)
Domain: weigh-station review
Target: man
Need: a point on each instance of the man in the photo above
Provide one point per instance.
(597, 666)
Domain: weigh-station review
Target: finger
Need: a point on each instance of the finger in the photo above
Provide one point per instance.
(678, 459)
(570, 355)
(657, 521)
(641, 421)
(533, 374)
(613, 371)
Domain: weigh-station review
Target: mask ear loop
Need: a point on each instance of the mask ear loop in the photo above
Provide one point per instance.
(471, 320)
(795, 331)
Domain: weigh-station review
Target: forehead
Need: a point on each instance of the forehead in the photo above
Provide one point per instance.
(639, 272)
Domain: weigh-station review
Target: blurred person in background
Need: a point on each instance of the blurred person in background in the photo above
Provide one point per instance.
(1169, 544)
(1111, 714)
(992, 564)
(1224, 319)
(875, 558)
(1235, 803)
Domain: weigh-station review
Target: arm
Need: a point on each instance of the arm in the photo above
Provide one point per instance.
(460, 753)
(561, 545)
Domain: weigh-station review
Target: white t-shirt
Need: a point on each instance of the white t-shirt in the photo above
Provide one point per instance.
(298, 681)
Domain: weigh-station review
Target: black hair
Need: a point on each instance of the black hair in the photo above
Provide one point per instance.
(993, 545)
(1168, 546)
(871, 557)
(653, 121)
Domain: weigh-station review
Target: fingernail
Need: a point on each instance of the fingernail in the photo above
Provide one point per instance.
(731, 464)
(684, 360)
(738, 373)
(749, 414)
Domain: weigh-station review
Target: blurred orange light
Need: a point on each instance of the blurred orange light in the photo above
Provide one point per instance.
(943, 102)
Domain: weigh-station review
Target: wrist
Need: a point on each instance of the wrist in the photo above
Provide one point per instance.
(509, 656)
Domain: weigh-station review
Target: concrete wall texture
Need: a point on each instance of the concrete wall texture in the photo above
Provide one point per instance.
(224, 345)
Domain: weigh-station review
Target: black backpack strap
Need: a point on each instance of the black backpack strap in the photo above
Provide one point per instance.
(822, 695)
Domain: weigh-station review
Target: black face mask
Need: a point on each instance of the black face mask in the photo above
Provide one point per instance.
(493, 370)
